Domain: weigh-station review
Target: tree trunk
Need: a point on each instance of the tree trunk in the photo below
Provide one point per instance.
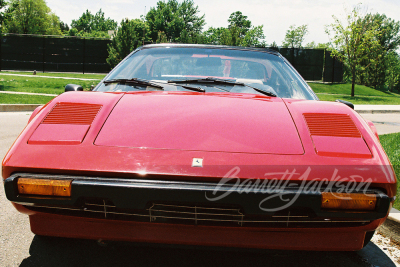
(353, 81)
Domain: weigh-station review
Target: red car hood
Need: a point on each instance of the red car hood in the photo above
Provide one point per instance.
(201, 122)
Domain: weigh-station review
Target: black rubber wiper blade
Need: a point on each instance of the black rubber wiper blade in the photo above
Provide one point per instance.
(134, 81)
(207, 80)
(225, 82)
(197, 89)
(262, 91)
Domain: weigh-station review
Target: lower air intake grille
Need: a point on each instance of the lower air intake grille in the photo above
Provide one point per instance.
(198, 215)
(194, 214)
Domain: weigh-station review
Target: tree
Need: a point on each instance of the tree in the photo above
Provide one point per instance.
(274, 45)
(161, 38)
(218, 36)
(238, 33)
(128, 37)
(31, 17)
(389, 38)
(239, 22)
(163, 18)
(84, 23)
(3, 4)
(92, 25)
(373, 73)
(295, 36)
(172, 18)
(254, 37)
(192, 21)
(354, 42)
(201, 38)
(185, 37)
(64, 27)
(392, 64)
(313, 45)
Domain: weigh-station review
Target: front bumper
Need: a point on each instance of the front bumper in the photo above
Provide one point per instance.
(151, 199)
(176, 212)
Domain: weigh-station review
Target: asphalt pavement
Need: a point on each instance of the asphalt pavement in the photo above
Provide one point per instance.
(19, 247)
(376, 109)
(384, 122)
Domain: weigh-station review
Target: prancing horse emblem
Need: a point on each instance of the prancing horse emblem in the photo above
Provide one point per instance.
(197, 162)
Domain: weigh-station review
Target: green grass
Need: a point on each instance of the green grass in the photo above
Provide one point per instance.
(363, 100)
(391, 144)
(52, 74)
(38, 85)
(345, 89)
(363, 95)
(24, 99)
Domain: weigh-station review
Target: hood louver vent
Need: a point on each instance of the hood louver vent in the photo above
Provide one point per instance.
(66, 124)
(338, 125)
(336, 135)
(72, 113)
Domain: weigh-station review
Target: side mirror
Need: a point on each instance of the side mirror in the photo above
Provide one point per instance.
(351, 105)
(73, 87)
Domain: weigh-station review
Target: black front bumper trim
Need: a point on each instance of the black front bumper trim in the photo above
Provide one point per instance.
(138, 194)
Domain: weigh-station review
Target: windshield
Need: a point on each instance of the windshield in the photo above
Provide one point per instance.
(174, 67)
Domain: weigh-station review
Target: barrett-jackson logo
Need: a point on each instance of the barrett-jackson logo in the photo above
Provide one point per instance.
(274, 185)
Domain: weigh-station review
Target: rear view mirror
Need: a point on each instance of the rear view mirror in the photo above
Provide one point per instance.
(351, 105)
(73, 87)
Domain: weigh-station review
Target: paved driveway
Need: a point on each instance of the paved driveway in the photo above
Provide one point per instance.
(385, 123)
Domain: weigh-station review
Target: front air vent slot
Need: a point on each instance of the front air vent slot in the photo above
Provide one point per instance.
(72, 113)
(337, 125)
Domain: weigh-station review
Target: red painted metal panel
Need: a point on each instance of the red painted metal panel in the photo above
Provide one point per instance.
(349, 238)
(58, 134)
(199, 122)
(348, 147)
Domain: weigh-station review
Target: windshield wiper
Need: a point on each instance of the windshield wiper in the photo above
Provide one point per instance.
(223, 82)
(262, 91)
(134, 81)
(197, 89)
(206, 80)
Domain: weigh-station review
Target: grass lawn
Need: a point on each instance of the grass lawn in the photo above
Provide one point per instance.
(345, 89)
(363, 100)
(24, 99)
(38, 85)
(363, 94)
(391, 144)
(66, 74)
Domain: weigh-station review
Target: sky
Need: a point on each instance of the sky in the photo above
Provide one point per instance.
(276, 15)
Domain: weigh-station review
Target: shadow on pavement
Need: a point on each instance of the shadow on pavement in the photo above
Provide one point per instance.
(50, 251)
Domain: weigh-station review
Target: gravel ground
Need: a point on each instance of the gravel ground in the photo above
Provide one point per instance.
(391, 249)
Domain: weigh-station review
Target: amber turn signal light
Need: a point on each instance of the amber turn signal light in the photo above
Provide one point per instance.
(44, 187)
(348, 201)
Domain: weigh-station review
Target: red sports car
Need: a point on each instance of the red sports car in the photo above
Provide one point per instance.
(201, 145)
